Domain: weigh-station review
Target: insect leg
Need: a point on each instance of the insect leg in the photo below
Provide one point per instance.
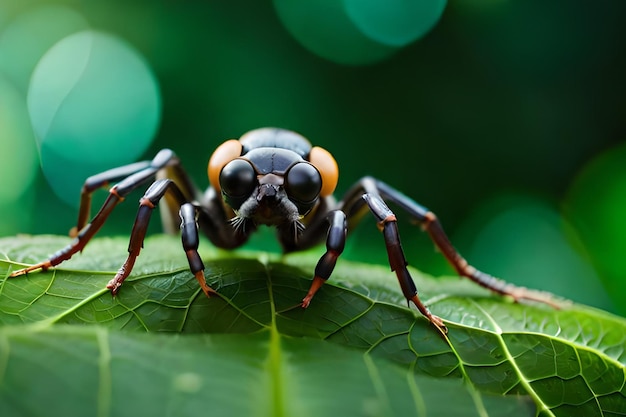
(188, 227)
(134, 175)
(139, 171)
(82, 237)
(365, 195)
(189, 236)
(335, 242)
(431, 224)
(387, 223)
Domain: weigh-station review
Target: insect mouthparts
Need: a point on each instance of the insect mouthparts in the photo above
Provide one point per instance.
(267, 190)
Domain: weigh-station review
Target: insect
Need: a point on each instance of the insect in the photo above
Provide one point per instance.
(269, 176)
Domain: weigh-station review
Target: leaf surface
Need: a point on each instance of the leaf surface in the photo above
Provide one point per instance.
(568, 360)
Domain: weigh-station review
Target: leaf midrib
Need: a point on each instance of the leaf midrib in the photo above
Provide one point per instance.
(274, 359)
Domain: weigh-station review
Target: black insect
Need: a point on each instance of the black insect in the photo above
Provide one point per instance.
(274, 177)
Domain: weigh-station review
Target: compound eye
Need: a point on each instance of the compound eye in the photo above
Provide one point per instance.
(327, 166)
(237, 178)
(303, 182)
(224, 153)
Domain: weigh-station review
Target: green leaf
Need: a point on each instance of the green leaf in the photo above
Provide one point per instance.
(357, 329)
(84, 371)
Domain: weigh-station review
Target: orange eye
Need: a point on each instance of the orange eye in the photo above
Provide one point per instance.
(321, 159)
(224, 153)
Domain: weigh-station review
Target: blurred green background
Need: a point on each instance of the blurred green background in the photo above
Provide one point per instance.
(505, 117)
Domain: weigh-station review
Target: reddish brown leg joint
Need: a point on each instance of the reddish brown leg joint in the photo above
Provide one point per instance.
(381, 224)
(335, 243)
(315, 285)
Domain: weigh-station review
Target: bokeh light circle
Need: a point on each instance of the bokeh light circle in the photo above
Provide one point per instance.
(357, 32)
(19, 162)
(30, 34)
(324, 28)
(19, 166)
(394, 22)
(94, 104)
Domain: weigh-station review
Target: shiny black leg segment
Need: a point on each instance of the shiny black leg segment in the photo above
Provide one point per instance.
(85, 231)
(387, 224)
(389, 228)
(129, 177)
(189, 235)
(146, 206)
(431, 224)
(372, 193)
(360, 198)
(197, 210)
(191, 241)
(98, 181)
(335, 243)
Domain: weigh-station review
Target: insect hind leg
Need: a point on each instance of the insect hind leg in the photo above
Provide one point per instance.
(431, 224)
